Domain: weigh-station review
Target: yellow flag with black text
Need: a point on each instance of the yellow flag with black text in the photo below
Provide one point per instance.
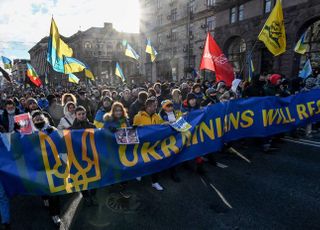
(273, 33)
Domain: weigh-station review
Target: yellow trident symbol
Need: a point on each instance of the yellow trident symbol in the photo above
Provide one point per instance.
(70, 182)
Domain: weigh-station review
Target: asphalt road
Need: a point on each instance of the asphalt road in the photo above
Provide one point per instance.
(280, 190)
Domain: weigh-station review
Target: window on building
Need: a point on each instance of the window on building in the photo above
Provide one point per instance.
(159, 38)
(211, 23)
(87, 45)
(159, 20)
(267, 6)
(174, 35)
(233, 14)
(191, 6)
(159, 4)
(174, 14)
(211, 3)
(241, 12)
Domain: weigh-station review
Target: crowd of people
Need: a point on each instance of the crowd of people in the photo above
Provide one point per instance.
(111, 108)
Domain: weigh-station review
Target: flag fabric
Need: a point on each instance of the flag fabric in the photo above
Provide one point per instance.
(5, 74)
(88, 73)
(273, 33)
(72, 65)
(119, 72)
(251, 68)
(307, 70)
(151, 50)
(301, 47)
(57, 49)
(130, 52)
(73, 78)
(33, 76)
(6, 62)
(213, 59)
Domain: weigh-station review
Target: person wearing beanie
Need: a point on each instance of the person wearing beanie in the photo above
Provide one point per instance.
(272, 87)
(7, 117)
(255, 88)
(196, 90)
(41, 123)
(104, 108)
(32, 105)
(190, 104)
(210, 98)
(168, 114)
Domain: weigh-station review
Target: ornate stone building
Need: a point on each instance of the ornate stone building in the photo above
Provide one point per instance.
(19, 69)
(178, 28)
(99, 48)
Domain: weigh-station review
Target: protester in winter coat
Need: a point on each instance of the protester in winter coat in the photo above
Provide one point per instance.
(210, 98)
(137, 105)
(43, 102)
(32, 105)
(67, 120)
(55, 109)
(86, 103)
(236, 88)
(196, 90)
(177, 101)
(41, 123)
(272, 87)
(82, 122)
(126, 98)
(255, 88)
(190, 104)
(105, 108)
(148, 116)
(7, 117)
(116, 118)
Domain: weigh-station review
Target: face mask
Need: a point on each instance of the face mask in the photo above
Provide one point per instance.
(39, 125)
(11, 112)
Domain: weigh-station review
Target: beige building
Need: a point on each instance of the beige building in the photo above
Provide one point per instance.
(178, 29)
(99, 48)
(19, 70)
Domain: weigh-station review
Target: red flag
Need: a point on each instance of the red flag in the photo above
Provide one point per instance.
(213, 59)
(33, 76)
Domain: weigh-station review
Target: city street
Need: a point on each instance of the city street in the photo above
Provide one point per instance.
(279, 190)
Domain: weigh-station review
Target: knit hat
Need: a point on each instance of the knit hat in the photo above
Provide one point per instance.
(36, 113)
(191, 96)
(274, 78)
(107, 98)
(235, 84)
(165, 103)
(31, 99)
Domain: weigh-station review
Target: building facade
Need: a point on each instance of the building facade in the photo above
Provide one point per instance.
(99, 48)
(178, 29)
(19, 70)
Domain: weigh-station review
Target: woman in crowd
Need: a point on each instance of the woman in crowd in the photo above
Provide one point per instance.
(67, 120)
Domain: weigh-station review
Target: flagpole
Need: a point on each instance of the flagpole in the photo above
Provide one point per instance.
(250, 53)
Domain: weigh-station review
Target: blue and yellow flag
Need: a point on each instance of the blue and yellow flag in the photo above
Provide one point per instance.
(119, 72)
(88, 73)
(301, 47)
(57, 49)
(307, 70)
(273, 33)
(6, 62)
(72, 65)
(251, 68)
(151, 50)
(73, 78)
(130, 52)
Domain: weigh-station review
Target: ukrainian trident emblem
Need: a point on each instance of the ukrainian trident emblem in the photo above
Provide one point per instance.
(70, 172)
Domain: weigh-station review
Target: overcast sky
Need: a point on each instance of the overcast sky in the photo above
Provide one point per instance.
(24, 22)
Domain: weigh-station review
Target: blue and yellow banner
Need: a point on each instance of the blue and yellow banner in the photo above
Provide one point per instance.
(68, 161)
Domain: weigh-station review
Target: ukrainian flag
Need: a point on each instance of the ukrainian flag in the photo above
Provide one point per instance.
(273, 33)
(119, 72)
(72, 65)
(88, 73)
(130, 52)
(151, 50)
(251, 68)
(57, 49)
(6, 62)
(301, 47)
(73, 78)
(307, 70)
